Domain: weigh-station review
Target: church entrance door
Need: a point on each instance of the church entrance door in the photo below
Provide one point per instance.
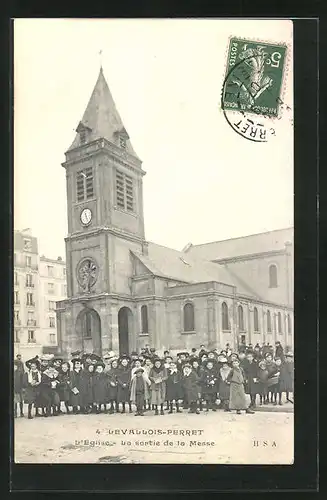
(125, 317)
(88, 329)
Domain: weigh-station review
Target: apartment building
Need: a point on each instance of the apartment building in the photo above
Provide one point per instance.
(38, 283)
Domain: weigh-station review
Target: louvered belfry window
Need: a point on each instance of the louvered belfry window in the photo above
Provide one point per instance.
(124, 191)
(84, 184)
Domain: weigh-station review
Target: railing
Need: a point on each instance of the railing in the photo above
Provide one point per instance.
(29, 285)
(31, 322)
(31, 341)
(30, 304)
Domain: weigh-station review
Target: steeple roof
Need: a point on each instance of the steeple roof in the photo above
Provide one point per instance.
(101, 118)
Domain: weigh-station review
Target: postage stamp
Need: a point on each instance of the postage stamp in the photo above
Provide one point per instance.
(253, 78)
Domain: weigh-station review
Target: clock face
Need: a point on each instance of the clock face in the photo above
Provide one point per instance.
(86, 216)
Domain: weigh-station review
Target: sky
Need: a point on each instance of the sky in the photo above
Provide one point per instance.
(203, 181)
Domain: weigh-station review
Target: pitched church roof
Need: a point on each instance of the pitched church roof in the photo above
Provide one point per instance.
(242, 246)
(169, 263)
(101, 118)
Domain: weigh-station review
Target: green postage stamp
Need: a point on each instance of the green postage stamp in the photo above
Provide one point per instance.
(254, 74)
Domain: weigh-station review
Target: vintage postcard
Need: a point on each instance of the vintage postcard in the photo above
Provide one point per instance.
(153, 243)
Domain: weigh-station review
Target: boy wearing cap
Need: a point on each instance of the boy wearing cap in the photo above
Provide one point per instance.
(32, 386)
(174, 387)
(209, 385)
(76, 385)
(139, 390)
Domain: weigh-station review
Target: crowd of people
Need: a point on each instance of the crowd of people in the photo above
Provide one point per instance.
(200, 380)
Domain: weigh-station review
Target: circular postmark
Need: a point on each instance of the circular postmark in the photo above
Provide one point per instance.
(243, 87)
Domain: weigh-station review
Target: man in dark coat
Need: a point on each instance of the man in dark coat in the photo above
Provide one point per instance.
(250, 368)
(279, 351)
(100, 387)
(190, 383)
(19, 363)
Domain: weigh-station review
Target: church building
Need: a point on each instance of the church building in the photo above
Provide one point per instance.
(124, 291)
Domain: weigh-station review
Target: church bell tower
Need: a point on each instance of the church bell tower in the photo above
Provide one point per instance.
(104, 180)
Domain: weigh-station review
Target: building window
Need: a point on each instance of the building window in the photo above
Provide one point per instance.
(29, 299)
(289, 324)
(144, 319)
(273, 282)
(64, 290)
(82, 136)
(256, 319)
(268, 322)
(122, 142)
(84, 184)
(27, 245)
(15, 259)
(16, 297)
(28, 260)
(52, 305)
(52, 338)
(31, 337)
(16, 316)
(279, 322)
(51, 288)
(16, 278)
(189, 318)
(50, 270)
(29, 279)
(225, 316)
(240, 319)
(16, 338)
(52, 323)
(124, 191)
(87, 327)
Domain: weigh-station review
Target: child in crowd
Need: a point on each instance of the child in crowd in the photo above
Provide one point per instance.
(210, 385)
(236, 378)
(262, 381)
(139, 390)
(275, 389)
(223, 386)
(250, 368)
(76, 384)
(123, 380)
(50, 383)
(113, 386)
(100, 387)
(19, 383)
(190, 382)
(32, 386)
(272, 378)
(287, 377)
(63, 387)
(174, 387)
(87, 392)
(158, 377)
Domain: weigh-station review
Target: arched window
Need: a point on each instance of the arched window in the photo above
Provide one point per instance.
(144, 319)
(268, 322)
(256, 319)
(289, 324)
(225, 316)
(241, 319)
(279, 321)
(273, 282)
(189, 318)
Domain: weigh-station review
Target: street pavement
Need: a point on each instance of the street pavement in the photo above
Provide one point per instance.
(265, 437)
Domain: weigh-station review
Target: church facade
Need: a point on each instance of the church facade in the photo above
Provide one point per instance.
(124, 292)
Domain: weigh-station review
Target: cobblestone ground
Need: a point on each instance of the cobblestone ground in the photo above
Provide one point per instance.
(220, 438)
